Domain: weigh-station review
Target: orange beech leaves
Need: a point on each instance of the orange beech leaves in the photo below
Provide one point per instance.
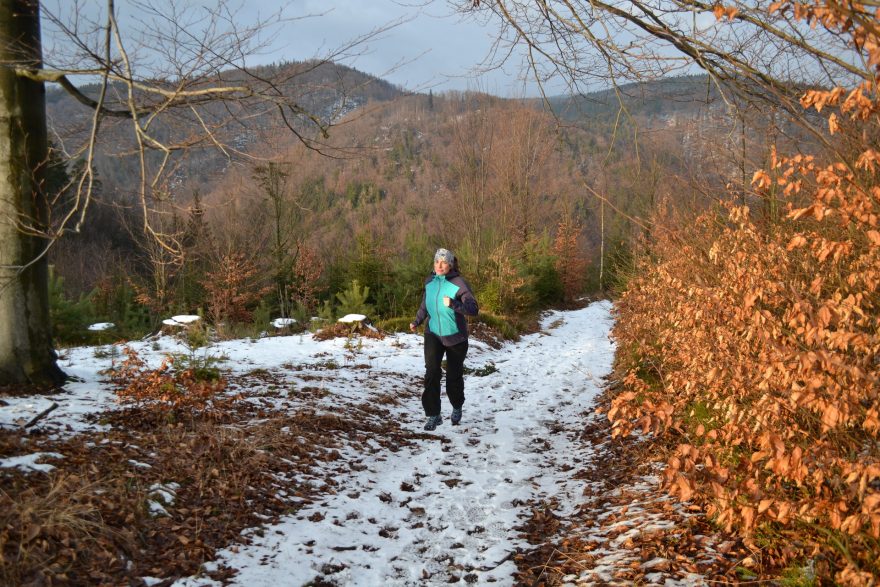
(164, 388)
(756, 345)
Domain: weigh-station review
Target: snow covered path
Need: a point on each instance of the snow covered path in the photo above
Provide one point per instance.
(413, 508)
(448, 506)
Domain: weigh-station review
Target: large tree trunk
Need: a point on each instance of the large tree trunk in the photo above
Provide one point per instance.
(26, 354)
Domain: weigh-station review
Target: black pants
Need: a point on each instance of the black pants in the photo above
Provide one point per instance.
(455, 355)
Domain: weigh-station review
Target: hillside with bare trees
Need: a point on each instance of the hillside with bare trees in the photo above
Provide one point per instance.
(541, 208)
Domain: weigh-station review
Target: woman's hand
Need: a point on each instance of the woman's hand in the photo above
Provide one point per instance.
(447, 301)
(412, 326)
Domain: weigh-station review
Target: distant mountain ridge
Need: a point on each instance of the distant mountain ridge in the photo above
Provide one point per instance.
(330, 92)
(675, 95)
(327, 91)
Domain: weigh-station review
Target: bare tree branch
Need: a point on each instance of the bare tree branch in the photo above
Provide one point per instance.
(169, 79)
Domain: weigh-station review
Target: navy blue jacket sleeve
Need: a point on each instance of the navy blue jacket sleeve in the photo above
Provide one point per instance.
(422, 313)
(464, 302)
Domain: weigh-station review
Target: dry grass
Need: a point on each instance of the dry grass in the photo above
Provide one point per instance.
(58, 526)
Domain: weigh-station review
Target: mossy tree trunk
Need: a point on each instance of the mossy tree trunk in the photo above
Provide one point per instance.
(26, 353)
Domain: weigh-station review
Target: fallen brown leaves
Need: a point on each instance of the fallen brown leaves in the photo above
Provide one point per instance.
(343, 330)
(89, 521)
(625, 532)
(167, 388)
(484, 332)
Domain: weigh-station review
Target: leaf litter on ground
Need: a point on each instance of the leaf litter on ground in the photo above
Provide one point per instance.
(320, 473)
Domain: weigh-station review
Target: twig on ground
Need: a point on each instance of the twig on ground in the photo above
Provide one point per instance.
(41, 415)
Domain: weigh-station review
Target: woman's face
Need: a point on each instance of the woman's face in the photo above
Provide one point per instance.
(441, 267)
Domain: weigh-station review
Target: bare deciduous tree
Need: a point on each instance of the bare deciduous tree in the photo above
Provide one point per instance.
(177, 77)
(26, 353)
(763, 53)
(759, 57)
(472, 172)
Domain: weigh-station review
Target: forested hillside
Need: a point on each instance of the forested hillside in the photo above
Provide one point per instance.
(326, 91)
(510, 186)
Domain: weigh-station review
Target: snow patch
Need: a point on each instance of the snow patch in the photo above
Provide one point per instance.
(349, 318)
(29, 462)
(181, 320)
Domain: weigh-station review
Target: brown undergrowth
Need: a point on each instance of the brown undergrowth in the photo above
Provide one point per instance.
(168, 388)
(343, 330)
(95, 518)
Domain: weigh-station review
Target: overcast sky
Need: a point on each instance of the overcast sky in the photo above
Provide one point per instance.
(431, 46)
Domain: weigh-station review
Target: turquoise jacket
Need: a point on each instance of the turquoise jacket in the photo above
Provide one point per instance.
(447, 323)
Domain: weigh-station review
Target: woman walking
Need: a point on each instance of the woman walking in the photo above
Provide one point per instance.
(447, 300)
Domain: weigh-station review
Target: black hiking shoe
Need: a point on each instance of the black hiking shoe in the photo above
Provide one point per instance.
(456, 416)
(433, 422)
